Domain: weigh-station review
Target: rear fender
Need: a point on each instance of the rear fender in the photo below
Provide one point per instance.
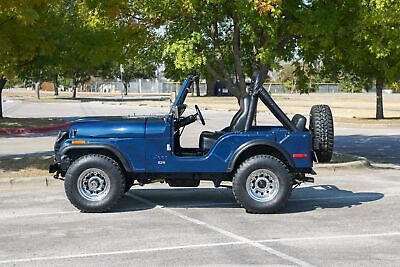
(257, 147)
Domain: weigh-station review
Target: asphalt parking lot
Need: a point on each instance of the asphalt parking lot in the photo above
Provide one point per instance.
(346, 218)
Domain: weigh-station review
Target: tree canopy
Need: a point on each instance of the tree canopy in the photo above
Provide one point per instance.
(228, 40)
(357, 38)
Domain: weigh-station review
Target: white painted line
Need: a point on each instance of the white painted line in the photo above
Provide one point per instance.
(337, 198)
(120, 252)
(206, 245)
(313, 238)
(12, 216)
(226, 233)
(203, 205)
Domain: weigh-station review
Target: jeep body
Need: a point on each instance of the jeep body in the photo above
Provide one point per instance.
(147, 148)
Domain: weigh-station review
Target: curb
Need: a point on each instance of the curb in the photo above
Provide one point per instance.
(22, 131)
(28, 181)
(356, 164)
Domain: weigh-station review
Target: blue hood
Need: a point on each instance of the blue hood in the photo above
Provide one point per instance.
(110, 127)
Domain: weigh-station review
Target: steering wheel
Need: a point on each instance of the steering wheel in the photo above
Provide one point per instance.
(200, 115)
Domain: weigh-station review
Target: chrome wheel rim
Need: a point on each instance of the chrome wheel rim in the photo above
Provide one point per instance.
(93, 184)
(262, 185)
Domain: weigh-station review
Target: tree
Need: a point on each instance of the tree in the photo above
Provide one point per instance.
(137, 69)
(359, 38)
(100, 34)
(139, 61)
(89, 41)
(287, 76)
(20, 36)
(230, 39)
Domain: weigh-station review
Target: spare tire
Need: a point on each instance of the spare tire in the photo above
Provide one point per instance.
(321, 126)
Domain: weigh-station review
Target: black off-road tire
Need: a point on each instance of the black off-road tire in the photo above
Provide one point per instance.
(321, 126)
(128, 183)
(102, 164)
(245, 173)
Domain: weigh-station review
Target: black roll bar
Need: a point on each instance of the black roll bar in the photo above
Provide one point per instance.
(258, 89)
(276, 110)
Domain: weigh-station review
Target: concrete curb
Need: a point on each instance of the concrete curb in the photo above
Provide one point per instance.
(361, 162)
(7, 183)
(22, 131)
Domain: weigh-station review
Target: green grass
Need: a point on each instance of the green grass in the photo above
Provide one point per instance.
(24, 167)
(342, 158)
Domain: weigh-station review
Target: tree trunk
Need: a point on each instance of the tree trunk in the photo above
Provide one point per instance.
(237, 57)
(197, 85)
(74, 86)
(126, 85)
(223, 74)
(2, 84)
(55, 82)
(37, 89)
(379, 98)
(210, 86)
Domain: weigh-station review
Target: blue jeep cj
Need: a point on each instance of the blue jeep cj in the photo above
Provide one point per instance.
(101, 158)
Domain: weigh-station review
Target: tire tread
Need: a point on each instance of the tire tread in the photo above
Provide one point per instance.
(243, 165)
(69, 187)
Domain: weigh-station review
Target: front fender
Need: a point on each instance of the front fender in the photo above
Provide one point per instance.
(96, 148)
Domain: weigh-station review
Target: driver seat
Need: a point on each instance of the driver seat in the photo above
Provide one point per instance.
(238, 123)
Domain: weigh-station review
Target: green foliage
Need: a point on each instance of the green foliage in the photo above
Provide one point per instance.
(353, 84)
(227, 39)
(395, 87)
(287, 76)
(42, 39)
(357, 37)
(20, 33)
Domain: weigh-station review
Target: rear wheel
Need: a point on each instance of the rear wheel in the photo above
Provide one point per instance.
(94, 183)
(321, 125)
(262, 184)
(128, 183)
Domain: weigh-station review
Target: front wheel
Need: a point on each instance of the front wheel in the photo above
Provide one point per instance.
(262, 184)
(94, 183)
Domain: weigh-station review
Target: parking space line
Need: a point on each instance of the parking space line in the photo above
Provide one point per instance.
(329, 237)
(203, 205)
(225, 232)
(329, 198)
(119, 252)
(12, 216)
(206, 245)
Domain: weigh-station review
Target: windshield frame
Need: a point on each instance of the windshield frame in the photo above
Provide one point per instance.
(182, 94)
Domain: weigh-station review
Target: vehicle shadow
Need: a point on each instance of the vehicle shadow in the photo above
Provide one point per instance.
(139, 199)
(303, 199)
(327, 197)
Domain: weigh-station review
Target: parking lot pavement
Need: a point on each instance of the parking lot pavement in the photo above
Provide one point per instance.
(346, 218)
